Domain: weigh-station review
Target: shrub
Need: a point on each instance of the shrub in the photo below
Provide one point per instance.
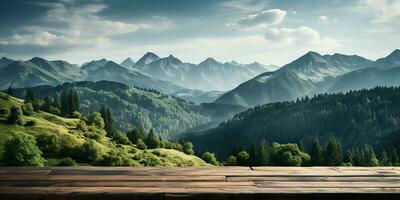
(288, 155)
(97, 120)
(82, 126)
(188, 148)
(76, 114)
(15, 116)
(21, 150)
(209, 158)
(54, 110)
(141, 145)
(3, 111)
(28, 109)
(67, 162)
(30, 123)
(91, 151)
(117, 158)
(231, 161)
(243, 158)
(49, 144)
(120, 138)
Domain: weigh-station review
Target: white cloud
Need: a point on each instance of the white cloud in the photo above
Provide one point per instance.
(382, 11)
(72, 25)
(40, 38)
(264, 19)
(302, 36)
(323, 19)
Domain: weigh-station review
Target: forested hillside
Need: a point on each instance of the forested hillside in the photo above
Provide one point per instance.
(139, 108)
(29, 136)
(355, 118)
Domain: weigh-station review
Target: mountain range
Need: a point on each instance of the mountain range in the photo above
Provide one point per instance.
(313, 73)
(198, 83)
(209, 75)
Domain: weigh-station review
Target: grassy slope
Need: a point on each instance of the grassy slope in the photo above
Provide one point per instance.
(65, 129)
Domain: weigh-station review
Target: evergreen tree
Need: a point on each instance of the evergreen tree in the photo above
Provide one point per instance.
(370, 157)
(14, 117)
(106, 115)
(333, 153)
(135, 134)
(254, 156)
(316, 153)
(47, 104)
(394, 158)
(264, 153)
(10, 91)
(64, 103)
(56, 102)
(152, 141)
(384, 161)
(29, 96)
(348, 158)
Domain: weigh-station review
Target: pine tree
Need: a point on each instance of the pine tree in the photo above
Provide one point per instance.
(394, 158)
(348, 158)
(14, 117)
(264, 153)
(152, 141)
(370, 157)
(10, 91)
(64, 103)
(254, 156)
(316, 153)
(384, 161)
(56, 102)
(29, 97)
(47, 103)
(333, 153)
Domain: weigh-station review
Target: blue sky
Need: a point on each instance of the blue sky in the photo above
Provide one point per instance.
(271, 32)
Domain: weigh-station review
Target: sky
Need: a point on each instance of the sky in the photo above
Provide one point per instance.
(269, 31)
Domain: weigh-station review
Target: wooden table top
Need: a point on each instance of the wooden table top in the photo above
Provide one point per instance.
(199, 183)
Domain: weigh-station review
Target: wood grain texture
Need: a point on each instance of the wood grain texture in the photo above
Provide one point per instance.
(199, 183)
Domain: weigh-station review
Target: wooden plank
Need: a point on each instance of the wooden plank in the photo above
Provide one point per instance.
(234, 190)
(91, 183)
(114, 177)
(312, 178)
(326, 184)
(23, 172)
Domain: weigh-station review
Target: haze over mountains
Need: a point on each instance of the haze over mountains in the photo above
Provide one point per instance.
(208, 75)
(314, 73)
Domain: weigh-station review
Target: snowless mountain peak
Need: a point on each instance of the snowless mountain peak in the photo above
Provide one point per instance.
(209, 61)
(394, 54)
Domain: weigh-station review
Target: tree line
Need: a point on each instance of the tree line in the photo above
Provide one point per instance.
(275, 154)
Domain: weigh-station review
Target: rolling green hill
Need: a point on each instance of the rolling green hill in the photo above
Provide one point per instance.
(140, 108)
(61, 139)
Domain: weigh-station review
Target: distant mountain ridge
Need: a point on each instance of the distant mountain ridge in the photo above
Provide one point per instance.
(313, 73)
(209, 75)
(39, 71)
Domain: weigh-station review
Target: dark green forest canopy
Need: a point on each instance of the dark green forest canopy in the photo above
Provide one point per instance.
(355, 118)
